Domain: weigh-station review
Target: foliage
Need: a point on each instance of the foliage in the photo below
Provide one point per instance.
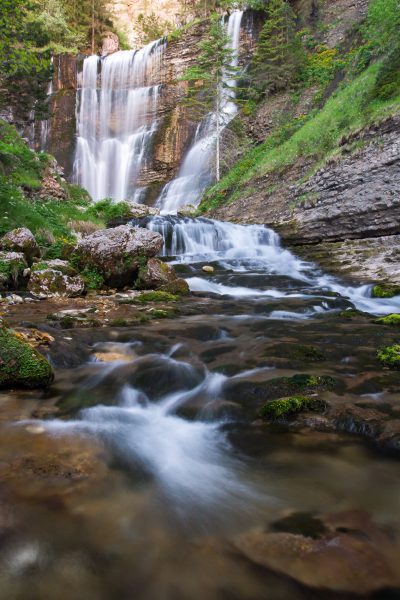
(106, 210)
(279, 54)
(316, 135)
(389, 356)
(212, 79)
(153, 27)
(92, 278)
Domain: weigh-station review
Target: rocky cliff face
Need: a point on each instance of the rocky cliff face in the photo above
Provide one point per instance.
(347, 215)
(175, 127)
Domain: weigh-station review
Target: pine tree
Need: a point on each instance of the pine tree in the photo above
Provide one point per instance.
(212, 80)
(278, 52)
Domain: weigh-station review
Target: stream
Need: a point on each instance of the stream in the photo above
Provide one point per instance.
(144, 464)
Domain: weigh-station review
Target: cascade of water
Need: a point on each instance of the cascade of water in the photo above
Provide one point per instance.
(244, 248)
(116, 119)
(195, 172)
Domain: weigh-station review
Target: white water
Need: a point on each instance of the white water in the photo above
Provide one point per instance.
(253, 248)
(116, 120)
(195, 173)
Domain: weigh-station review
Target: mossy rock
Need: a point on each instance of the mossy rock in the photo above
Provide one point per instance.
(12, 268)
(389, 356)
(301, 383)
(298, 352)
(392, 320)
(284, 407)
(385, 290)
(352, 313)
(20, 364)
(156, 296)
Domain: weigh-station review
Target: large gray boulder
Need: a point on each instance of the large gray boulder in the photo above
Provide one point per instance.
(49, 283)
(21, 240)
(118, 253)
(13, 271)
(139, 211)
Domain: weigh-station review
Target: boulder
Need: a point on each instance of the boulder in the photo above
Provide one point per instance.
(188, 210)
(160, 275)
(57, 264)
(21, 240)
(13, 271)
(48, 283)
(116, 254)
(341, 552)
(139, 211)
(110, 43)
(20, 364)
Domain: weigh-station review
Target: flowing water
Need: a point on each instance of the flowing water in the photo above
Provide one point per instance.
(196, 171)
(140, 473)
(136, 473)
(116, 116)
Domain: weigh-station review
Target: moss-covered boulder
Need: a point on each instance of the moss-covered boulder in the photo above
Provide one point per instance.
(285, 407)
(385, 290)
(156, 274)
(389, 356)
(13, 271)
(21, 240)
(254, 394)
(47, 283)
(392, 320)
(57, 264)
(21, 365)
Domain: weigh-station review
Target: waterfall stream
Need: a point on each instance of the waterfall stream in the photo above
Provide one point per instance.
(196, 171)
(116, 116)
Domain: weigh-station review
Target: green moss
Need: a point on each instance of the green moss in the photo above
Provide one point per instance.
(156, 296)
(393, 319)
(119, 322)
(284, 407)
(162, 313)
(307, 353)
(385, 290)
(20, 364)
(298, 384)
(389, 356)
(92, 278)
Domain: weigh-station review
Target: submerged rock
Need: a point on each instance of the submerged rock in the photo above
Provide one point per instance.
(21, 240)
(342, 552)
(13, 271)
(118, 253)
(20, 364)
(48, 283)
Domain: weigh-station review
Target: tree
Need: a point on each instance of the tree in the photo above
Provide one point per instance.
(279, 51)
(212, 81)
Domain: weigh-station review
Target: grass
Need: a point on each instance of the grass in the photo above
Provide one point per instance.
(317, 135)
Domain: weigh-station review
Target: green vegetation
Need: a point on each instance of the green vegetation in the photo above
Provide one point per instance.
(209, 88)
(393, 319)
(20, 364)
(298, 384)
(389, 356)
(284, 407)
(92, 278)
(385, 290)
(369, 92)
(29, 33)
(279, 54)
(156, 296)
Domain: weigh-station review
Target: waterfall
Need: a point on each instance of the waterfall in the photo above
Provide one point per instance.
(195, 172)
(116, 119)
